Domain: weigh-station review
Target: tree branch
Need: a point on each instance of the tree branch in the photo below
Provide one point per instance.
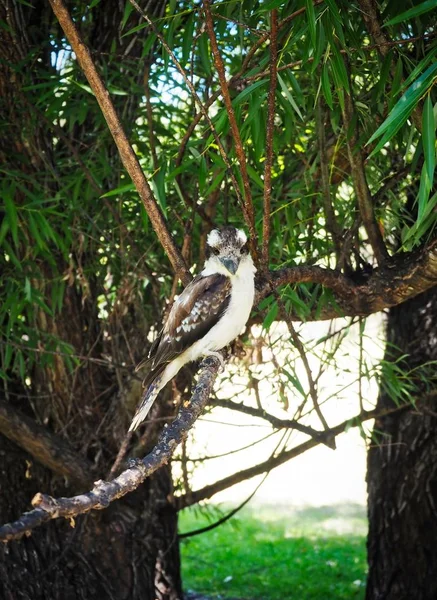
(127, 154)
(405, 276)
(328, 208)
(364, 198)
(275, 461)
(105, 492)
(247, 206)
(277, 423)
(269, 137)
(45, 447)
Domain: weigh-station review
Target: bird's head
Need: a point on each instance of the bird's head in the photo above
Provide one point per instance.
(227, 251)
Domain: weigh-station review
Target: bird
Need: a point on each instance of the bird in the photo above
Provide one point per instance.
(207, 316)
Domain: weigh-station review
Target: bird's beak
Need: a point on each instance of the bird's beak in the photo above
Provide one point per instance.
(231, 264)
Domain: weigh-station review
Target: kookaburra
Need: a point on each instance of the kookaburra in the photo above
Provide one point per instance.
(210, 313)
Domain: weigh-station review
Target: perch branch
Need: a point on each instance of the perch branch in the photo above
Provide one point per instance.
(105, 492)
(127, 154)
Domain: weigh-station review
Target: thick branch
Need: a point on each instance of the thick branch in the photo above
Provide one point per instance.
(127, 154)
(45, 447)
(105, 492)
(404, 277)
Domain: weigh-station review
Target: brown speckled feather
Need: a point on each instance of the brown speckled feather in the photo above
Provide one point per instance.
(193, 314)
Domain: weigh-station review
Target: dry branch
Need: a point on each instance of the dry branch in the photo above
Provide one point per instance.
(105, 492)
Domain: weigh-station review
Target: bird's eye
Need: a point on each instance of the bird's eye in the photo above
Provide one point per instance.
(245, 248)
(215, 251)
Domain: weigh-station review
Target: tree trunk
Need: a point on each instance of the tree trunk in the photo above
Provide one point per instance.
(130, 550)
(402, 467)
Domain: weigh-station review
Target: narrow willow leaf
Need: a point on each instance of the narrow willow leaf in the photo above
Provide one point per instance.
(128, 187)
(411, 13)
(311, 18)
(215, 183)
(4, 228)
(248, 91)
(326, 87)
(271, 316)
(428, 138)
(295, 381)
(403, 108)
(339, 69)
(334, 11)
(11, 213)
(188, 39)
(289, 96)
(204, 53)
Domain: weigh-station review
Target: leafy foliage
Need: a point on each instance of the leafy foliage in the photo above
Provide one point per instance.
(83, 276)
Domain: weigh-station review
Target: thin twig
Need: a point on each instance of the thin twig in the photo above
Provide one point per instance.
(331, 221)
(275, 421)
(276, 461)
(364, 198)
(247, 206)
(269, 138)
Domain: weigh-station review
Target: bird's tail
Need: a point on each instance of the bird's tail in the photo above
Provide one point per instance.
(147, 400)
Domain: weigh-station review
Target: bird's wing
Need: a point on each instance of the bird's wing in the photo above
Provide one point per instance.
(193, 314)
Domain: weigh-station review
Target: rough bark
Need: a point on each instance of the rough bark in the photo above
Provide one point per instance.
(129, 550)
(402, 468)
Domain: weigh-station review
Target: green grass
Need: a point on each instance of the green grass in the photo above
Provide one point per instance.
(277, 554)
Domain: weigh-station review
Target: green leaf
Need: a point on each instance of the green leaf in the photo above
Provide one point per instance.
(339, 69)
(428, 138)
(11, 213)
(289, 96)
(311, 18)
(248, 91)
(402, 110)
(326, 87)
(128, 187)
(420, 9)
(271, 316)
